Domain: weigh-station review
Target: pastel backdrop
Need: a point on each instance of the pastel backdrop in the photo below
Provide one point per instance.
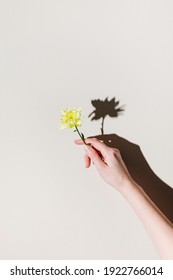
(58, 54)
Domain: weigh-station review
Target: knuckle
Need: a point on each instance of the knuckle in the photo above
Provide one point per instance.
(116, 151)
(113, 150)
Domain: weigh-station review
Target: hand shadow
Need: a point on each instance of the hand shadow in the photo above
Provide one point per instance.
(159, 192)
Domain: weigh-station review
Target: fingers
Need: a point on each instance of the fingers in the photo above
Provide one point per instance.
(98, 145)
(94, 156)
(80, 142)
(87, 161)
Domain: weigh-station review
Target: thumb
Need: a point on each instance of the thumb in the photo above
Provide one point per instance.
(94, 156)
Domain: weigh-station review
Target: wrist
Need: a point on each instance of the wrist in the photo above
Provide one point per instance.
(128, 186)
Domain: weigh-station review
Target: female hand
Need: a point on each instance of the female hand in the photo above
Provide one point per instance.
(108, 162)
(111, 167)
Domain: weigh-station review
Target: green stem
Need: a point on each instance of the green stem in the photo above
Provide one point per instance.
(80, 135)
(102, 131)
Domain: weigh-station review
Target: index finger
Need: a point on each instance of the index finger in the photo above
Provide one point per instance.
(98, 145)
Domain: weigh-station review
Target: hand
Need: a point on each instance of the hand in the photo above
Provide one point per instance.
(108, 162)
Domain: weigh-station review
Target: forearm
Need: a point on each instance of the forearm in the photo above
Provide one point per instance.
(158, 226)
(113, 170)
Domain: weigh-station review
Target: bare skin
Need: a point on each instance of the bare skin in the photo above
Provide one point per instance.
(112, 169)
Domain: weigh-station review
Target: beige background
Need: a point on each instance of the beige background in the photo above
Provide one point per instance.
(55, 54)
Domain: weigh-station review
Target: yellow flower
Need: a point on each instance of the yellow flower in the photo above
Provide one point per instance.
(70, 118)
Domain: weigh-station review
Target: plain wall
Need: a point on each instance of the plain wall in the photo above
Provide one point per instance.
(56, 54)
